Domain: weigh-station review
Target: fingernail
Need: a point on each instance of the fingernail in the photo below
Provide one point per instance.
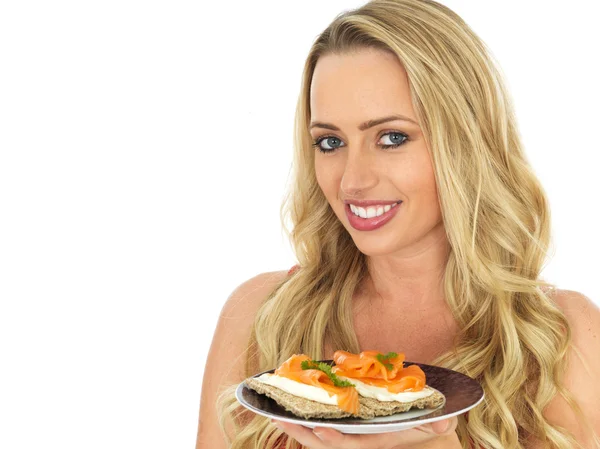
(447, 427)
(319, 434)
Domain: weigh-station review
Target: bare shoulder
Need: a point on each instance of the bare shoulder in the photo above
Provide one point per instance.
(235, 323)
(584, 319)
(249, 295)
(226, 361)
(583, 368)
(570, 300)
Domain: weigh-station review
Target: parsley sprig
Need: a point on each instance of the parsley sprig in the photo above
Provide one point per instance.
(384, 359)
(306, 364)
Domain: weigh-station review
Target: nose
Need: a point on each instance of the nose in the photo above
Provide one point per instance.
(359, 173)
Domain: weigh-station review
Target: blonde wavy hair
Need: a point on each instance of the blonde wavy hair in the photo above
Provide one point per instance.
(513, 339)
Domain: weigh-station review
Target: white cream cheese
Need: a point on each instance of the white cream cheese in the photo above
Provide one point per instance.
(320, 395)
(298, 388)
(382, 394)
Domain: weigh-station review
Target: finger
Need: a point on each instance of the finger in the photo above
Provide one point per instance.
(446, 426)
(442, 427)
(334, 439)
(329, 438)
(303, 435)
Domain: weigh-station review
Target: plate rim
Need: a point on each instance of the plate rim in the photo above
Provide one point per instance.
(391, 426)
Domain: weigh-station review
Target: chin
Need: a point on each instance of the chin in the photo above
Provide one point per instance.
(374, 245)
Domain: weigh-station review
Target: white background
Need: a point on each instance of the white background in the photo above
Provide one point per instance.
(145, 148)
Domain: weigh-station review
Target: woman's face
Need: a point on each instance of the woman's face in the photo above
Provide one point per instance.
(347, 91)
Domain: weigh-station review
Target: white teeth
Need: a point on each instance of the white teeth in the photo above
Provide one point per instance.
(371, 211)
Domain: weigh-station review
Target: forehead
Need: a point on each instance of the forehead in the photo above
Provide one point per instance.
(359, 86)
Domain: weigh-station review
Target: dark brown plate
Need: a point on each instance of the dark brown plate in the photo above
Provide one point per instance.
(462, 393)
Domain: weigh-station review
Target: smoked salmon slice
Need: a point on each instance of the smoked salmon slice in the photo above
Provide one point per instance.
(370, 367)
(347, 397)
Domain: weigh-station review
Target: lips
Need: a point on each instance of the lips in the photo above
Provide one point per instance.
(370, 224)
(366, 203)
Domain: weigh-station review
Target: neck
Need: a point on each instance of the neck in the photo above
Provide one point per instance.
(411, 277)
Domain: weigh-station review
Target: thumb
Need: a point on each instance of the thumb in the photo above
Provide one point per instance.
(444, 426)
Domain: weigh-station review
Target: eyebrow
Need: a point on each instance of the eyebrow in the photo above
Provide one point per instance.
(366, 125)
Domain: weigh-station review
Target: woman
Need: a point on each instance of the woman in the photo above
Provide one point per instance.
(401, 105)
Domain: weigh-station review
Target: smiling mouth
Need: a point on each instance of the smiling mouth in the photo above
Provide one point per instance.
(371, 211)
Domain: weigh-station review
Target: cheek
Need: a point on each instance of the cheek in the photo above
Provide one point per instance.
(327, 176)
(320, 176)
(417, 181)
(422, 183)
(428, 193)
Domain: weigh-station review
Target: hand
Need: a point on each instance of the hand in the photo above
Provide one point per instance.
(327, 438)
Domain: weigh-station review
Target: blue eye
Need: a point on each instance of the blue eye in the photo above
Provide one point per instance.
(332, 140)
(328, 140)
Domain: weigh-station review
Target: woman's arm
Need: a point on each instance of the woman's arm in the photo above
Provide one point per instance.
(226, 359)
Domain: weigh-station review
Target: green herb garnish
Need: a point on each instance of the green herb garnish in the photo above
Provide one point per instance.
(384, 359)
(306, 364)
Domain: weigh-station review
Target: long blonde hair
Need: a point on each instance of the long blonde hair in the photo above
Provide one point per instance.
(513, 338)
